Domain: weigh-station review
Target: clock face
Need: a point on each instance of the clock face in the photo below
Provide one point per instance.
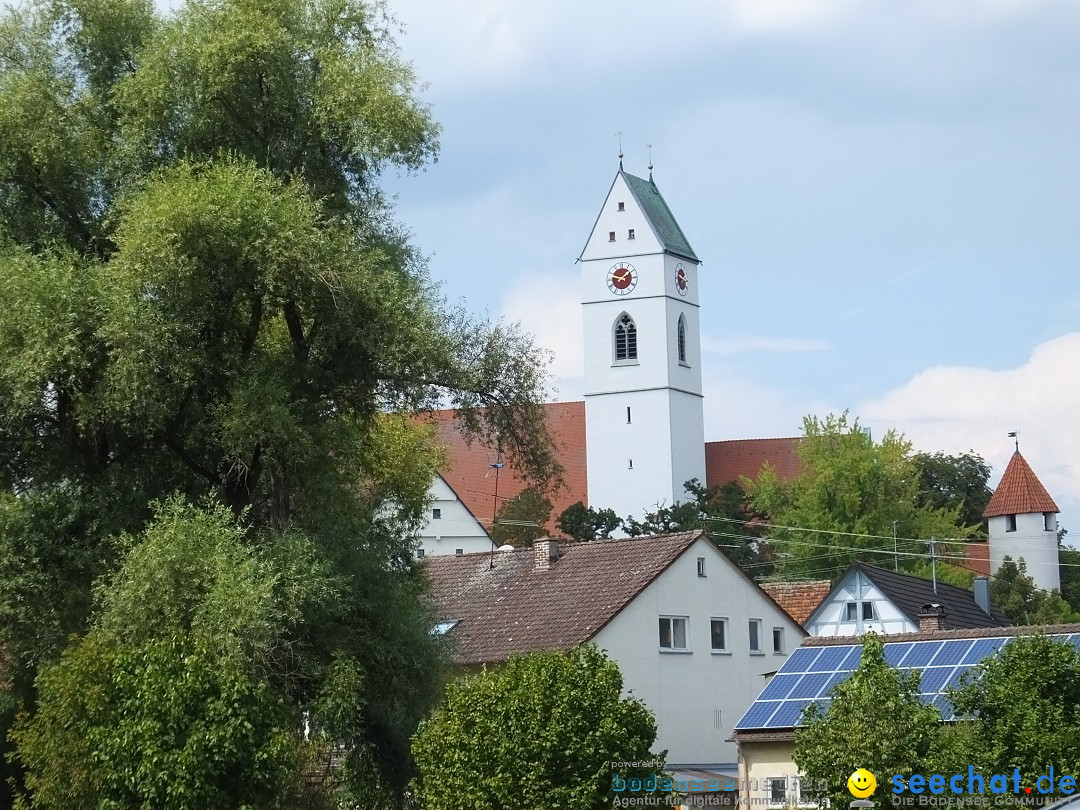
(622, 278)
(681, 283)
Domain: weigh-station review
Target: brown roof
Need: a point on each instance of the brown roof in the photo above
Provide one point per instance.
(731, 460)
(473, 481)
(932, 635)
(798, 599)
(514, 607)
(1019, 492)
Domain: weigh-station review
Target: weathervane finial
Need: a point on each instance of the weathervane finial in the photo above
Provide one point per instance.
(1013, 435)
(649, 147)
(619, 136)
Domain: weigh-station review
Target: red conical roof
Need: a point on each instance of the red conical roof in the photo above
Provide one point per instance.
(1020, 492)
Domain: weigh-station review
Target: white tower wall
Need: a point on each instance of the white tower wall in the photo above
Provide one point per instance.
(1034, 540)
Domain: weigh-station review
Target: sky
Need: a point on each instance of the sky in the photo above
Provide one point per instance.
(885, 196)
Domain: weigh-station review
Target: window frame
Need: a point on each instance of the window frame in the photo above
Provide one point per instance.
(436, 513)
(851, 611)
(1010, 523)
(680, 341)
(758, 650)
(778, 641)
(673, 622)
(867, 603)
(723, 622)
(701, 567)
(624, 330)
(1048, 521)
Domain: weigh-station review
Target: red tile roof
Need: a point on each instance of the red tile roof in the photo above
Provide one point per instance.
(468, 474)
(798, 599)
(978, 558)
(730, 460)
(514, 607)
(1020, 492)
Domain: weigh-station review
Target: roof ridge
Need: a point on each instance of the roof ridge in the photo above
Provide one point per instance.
(659, 216)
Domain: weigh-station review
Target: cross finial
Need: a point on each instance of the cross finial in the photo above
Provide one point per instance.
(619, 136)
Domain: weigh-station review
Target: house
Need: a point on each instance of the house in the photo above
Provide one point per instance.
(765, 735)
(639, 434)
(692, 634)
(871, 599)
(1022, 523)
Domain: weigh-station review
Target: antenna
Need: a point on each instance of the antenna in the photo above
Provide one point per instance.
(497, 465)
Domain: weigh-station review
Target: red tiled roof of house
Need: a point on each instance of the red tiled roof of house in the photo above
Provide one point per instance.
(516, 607)
(1020, 492)
(468, 474)
(798, 599)
(977, 558)
(730, 460)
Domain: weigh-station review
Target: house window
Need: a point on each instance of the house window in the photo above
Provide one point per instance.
(673, 632)
(868, 611)
(682, 339)
(778, 640)
(755, 635)
(701, 566)
(419, 552)
(630, 234)
(718, 633)
(611, 236)
(622, 206)
(1048, 521)
(436, 514)
(851, 611)
(1010, 523)
(458, 552)
(628, 414)
(625, 338)
(778, 792)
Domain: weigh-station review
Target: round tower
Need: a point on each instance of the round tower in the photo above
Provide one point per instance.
(1022, 523)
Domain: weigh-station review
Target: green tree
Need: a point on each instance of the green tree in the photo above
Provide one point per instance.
(206, 293)
(876, 720)
(540, 731)
(583, 524)
(949, 482)
(522, 518)
(1023, 709)
(1014, 593)
(850, 494)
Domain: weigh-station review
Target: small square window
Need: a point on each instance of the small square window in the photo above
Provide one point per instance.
(622, 206)
(701, 566)
(436, 514)
(851, 612)
(630, 235)
(1010, 523)
(459, 552)
(718, 632)
(778, 640)
(673, 632)
(755, 635)
(419, 552)
(611, 236)
(868, 611)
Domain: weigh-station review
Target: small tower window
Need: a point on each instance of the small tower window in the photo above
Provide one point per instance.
(1048, 521)
(1010, 523)
(628, 414)
(625, 338)
(630, 235)
(622, 206)
(611, 236)
(682, 339)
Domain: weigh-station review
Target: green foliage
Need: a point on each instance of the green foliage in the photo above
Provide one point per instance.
(951, 482)
(522, 518)
(540, 731)
(1023, 709)
(1069, 559)
(584, 524)
(1014, 593)
(876, 721)
(850, 491)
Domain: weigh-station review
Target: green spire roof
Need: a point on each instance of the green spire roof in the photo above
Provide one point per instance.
(661, 219)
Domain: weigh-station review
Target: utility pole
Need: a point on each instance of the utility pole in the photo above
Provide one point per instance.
(895, 553)
(933, 561)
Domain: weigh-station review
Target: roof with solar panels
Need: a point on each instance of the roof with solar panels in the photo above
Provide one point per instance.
(941, 657)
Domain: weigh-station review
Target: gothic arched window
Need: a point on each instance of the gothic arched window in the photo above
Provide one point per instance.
(682, 339)
(625, 338)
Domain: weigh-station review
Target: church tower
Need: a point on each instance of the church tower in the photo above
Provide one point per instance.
(1022, 523)
(644, 421)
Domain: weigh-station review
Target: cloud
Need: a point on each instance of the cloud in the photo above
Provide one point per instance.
(759, 343)
(956, 409)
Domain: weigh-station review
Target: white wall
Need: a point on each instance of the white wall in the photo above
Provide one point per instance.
(456, 528)
(685, 690)
(1037, 545)
(830, 617)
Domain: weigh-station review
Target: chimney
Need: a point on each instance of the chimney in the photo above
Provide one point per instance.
(982, 594)
(931, 618)
(545, 552)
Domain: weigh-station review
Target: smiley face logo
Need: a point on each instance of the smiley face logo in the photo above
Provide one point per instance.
(861, 783)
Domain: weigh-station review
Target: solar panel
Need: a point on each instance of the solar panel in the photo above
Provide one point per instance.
(788, 714)
(954, 679)
(894, 653)
(942, 704)
(982, 648)
(920, 654)
(933, 679)
(778, 687)
(758, 715)
(853, 659)
(952, 652)
(809, 686)
(800, 660)
(831, 659)
(834, 679)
